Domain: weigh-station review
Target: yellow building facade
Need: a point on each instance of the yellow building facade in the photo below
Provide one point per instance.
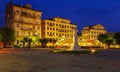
(89, 35)
(60, 29)
(24, 20)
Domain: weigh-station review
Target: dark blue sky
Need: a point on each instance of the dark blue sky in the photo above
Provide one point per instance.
(80, 12)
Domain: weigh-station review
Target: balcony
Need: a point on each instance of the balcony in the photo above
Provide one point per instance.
(28, 29)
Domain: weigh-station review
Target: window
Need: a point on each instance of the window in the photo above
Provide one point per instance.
(38, 34)
(33, 15)
(18, 25)
(8, 15)
(38, 28)
(47, 22)
(48, 28)
(33, 27)
(33, 33)
(56, 34)
(38, 16)
(50, 33)
(29, 33)
(50, 24)
(47, 33)
(17, 33)
(67, 34)
(17, 11)
(53, 24)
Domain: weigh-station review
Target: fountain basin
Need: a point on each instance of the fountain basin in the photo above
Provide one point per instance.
(76, 52)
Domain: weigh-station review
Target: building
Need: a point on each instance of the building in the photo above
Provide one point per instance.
(25, 20)
(60, 29)
(89, 35)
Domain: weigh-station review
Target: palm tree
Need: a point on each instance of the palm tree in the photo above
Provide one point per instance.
(24, 40)
(43, 42)
(28, 40)
(53, 41)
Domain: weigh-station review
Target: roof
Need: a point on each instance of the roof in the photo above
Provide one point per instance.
(93, 25)
(24, 6)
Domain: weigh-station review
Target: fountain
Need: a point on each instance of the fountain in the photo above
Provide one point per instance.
(75, 46)
(75, 49)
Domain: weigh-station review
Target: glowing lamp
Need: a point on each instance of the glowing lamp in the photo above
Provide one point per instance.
(93, 50)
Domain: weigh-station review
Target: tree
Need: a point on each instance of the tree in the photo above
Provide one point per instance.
(102, 37)
(24, 40)
(53, 41)
(29, 42)
(7, 36)
(117, 38)
(108, 42)
(106, 39)
(43, 42)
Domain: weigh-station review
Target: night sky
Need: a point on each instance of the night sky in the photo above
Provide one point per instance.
(80, 12)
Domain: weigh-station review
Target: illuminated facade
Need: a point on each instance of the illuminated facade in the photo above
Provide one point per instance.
(90, 34)
(60, 29)
(24, 20)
